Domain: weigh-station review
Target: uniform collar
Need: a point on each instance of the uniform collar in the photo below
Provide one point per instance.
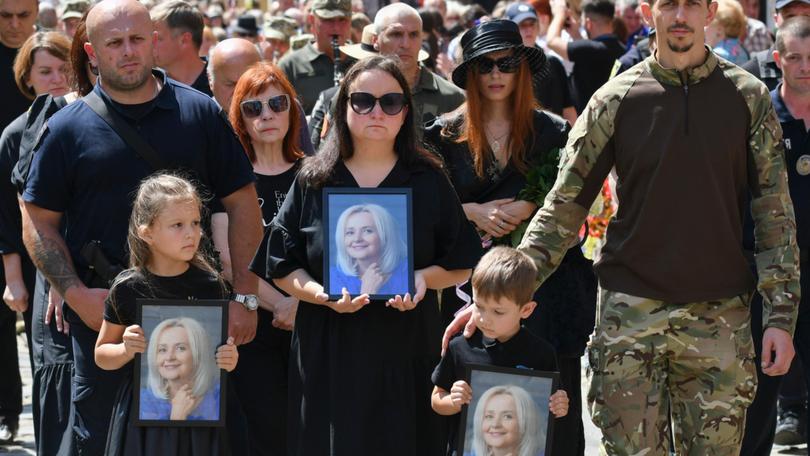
(674, 77)
(779, 106)
(427, 82)
(310, 53)
(165, 98)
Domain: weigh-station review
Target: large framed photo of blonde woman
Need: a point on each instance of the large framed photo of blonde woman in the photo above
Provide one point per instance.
(509, 412)
(368, 245)
(177, 381)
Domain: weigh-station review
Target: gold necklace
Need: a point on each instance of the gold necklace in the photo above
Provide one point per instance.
(495, 143)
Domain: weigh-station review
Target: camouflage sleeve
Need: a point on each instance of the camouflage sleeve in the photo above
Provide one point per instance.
(585, 163)
(777, 256)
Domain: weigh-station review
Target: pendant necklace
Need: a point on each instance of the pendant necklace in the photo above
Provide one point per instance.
(495, 143)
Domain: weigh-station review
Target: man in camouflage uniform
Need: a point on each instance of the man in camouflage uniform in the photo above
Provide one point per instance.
(690, 137)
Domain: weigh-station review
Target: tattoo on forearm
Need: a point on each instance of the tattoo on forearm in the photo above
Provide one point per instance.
(53, 261)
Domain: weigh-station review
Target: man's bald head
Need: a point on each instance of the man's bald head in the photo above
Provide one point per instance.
(121, 39)
(392, 13)
(228, 60)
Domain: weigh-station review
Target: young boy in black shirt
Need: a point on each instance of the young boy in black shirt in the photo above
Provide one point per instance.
(503, 285)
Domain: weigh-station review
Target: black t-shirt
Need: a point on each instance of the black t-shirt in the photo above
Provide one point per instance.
(14, 103)
(272, 190)
(201, 83)
(594, 60)
(524, 351)
(10, 220)
(553, 92)
(120, 307)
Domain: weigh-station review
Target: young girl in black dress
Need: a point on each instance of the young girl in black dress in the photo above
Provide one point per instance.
(166, 263)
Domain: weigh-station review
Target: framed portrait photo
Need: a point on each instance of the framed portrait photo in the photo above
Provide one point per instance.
(177, 381)
(508, 413)
(368, 242)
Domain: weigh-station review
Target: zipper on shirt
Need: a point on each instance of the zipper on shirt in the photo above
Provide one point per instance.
(685, 82)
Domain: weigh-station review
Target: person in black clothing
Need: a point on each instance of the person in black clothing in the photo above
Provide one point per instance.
(165, 262)
(266, 119)
(40, 68)
(179, 26)
(594, 57)
(83, 174)
(17, 19)
(502, 176)
(553, 93)
(360, 369)
(503, 285)
(635, 55)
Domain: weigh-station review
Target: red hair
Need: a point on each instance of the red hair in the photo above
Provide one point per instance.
(253, 82)
(523, 106)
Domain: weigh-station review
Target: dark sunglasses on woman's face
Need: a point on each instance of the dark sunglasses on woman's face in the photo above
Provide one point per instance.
(363, 103)
(508, 64)
(253, 108)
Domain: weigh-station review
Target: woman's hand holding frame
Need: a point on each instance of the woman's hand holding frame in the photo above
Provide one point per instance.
(405, 303)
(345, 304)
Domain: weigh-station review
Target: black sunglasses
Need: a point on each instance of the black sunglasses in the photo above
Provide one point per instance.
(391, 103)
(253, 108)
(508, 64)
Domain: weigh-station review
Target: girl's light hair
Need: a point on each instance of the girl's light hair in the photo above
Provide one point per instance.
(393, 246)
(154, 194)
(528, 421)
(204, 367)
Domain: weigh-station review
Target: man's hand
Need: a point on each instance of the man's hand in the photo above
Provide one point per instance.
(55, 303)
(463, 320)
(559, 8)
(284, 311)
(241, 323)
(780, 343)
(88, 303)
(16, 295)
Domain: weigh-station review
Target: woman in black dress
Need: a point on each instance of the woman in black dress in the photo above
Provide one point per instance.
(501, 151)
(266, 120)
(360, 380)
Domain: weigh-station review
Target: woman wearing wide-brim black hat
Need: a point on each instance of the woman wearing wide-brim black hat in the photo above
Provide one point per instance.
(501, 152)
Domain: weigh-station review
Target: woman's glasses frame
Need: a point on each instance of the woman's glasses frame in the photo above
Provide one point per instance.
(363, 102)
(508, 64)
(254, 108)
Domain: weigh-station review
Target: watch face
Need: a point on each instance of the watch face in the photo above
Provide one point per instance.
(252, 302)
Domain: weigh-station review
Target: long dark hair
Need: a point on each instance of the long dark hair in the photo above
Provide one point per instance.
(316, 170)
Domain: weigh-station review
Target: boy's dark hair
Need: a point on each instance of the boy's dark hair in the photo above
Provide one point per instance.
(797, 27)
(505, 273)
(601, 9)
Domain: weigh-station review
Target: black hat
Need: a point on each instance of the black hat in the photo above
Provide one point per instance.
(246, 25)
(495, 36)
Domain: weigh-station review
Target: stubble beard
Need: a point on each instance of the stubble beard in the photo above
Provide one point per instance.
(114, 81)
(680, 49)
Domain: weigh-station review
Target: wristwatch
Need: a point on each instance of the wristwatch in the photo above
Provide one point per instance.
(251, 302)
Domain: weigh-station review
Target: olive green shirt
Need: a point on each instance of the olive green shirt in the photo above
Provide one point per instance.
(310, 72)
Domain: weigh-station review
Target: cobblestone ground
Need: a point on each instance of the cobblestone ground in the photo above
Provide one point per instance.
(24, 443)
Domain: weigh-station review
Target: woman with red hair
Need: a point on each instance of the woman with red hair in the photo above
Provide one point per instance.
(501, 152)
(266, 119)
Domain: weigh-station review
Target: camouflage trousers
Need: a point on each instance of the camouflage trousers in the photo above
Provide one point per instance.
(651, 361)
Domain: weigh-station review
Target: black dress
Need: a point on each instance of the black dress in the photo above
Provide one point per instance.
(360, 382)
(567, 299)
(126, 439)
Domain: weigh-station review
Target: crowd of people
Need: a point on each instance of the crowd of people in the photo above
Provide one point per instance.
(182, 150)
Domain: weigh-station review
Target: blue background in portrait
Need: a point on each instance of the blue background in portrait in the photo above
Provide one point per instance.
(539, 389)
(209, 317)
(397, 205)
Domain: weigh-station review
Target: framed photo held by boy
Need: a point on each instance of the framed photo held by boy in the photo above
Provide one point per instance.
(368, 242)
(177, 381)
(508, 413)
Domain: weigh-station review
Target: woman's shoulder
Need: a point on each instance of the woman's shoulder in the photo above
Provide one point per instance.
(549, 120)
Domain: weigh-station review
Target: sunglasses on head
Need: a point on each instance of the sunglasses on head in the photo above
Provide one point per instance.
(253, 108)
(363, 103)
(508, 64)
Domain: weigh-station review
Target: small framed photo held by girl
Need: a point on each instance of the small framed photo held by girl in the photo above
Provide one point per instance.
(508, 413)
(368, 243)
(177, 381)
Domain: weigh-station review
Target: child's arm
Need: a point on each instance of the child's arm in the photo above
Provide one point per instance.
(117, 345)
(558, 403)
(227, 355)
(449, 403)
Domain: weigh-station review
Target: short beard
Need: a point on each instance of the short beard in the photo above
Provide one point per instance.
(680, 49)
(113, 81)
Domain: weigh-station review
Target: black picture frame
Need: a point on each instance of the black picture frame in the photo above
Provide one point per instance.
(211, 317)
(491, 381)
(396, 219)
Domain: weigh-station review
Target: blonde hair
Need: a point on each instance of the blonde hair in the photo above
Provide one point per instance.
(731, 18)
(393, 246)
(527, 417)
(204, 368)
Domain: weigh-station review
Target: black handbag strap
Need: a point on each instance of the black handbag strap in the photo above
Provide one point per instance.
(126, 132)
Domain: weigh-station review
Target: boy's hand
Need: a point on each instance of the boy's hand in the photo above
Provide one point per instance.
(227, 356)
(558, 403)
(134, 340)
(461, 393)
